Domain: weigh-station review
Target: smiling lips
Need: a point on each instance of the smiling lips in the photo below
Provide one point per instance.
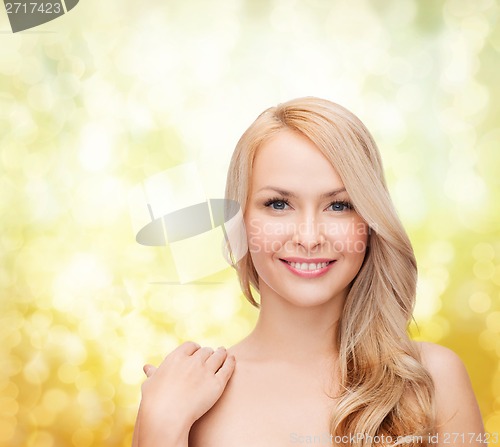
(308, 268)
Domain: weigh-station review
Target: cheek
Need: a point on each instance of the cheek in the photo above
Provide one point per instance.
(349, 237)
(264, 237)
(254, 233)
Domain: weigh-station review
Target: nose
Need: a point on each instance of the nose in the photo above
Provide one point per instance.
(309, 234)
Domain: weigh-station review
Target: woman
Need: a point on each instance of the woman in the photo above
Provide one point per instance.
(329, 361)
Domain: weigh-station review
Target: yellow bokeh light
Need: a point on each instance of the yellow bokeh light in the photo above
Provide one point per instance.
(493, 321)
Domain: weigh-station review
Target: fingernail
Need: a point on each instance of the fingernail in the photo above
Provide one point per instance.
(221, 347)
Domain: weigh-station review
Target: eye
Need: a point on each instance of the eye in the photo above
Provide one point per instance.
(277, 204)
(340, 206)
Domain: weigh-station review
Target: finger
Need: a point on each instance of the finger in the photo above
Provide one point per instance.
(227, 369)
(149, 370)
(215, 361)
(204, 353)
(188, 348)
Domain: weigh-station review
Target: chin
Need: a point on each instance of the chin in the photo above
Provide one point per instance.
(305, 297)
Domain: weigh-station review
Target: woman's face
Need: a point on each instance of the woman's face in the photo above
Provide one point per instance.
(305, 240)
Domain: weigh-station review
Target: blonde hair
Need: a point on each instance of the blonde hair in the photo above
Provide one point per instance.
(384, 388)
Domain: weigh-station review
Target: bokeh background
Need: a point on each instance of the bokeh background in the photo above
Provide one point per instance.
(100, 99)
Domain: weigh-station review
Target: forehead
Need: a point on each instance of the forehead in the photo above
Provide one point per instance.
(290, 160)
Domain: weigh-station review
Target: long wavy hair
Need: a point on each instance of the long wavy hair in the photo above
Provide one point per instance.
(386, 396)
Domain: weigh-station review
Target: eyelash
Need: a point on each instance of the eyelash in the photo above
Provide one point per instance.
(346, 205)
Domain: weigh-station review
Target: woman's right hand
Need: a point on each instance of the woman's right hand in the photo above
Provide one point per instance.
(182, 389)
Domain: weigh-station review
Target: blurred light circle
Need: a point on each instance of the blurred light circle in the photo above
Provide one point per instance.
(492, 423)
(493, 322)
(67, 373)
(483, 252)
(40, 438)
(487, 340)
(480, 302)
(83, 437)
(484, 269)
(7, 429)
(55, 399)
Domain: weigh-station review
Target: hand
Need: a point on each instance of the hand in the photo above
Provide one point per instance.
(182, 389)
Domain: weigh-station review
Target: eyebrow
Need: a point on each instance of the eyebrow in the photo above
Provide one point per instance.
(285, 193)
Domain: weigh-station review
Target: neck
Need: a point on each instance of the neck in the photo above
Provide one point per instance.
(291, 333)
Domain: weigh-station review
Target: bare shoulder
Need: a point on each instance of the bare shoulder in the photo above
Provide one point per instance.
(446, 369)
(457, 409)
(441, 362)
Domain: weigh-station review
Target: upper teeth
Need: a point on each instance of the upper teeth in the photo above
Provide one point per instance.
(305, 266)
